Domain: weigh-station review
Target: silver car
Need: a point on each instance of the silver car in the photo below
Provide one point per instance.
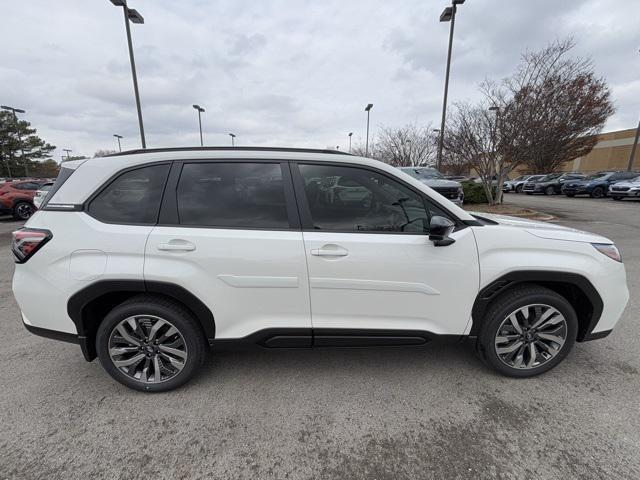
(41, 194)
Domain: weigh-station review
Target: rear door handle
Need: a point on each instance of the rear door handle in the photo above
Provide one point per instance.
(177, 246)
(330, 251)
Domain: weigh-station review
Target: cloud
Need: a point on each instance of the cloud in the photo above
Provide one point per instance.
(281, 72)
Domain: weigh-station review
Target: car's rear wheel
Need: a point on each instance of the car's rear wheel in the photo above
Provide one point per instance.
(151, 344)
(22, 210)
(549, 191)
(527, 331)
(597, 192)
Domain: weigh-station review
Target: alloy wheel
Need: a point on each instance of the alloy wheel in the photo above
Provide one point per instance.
(147, 349)
(531, 336)
(24, 211)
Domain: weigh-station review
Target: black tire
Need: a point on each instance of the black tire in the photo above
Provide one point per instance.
(549, 191)
(518, 188)
(510, 302)
(529, 193)
(617, 198)
(570, 195)
(23, 210)
(194, 340)
(597, 192)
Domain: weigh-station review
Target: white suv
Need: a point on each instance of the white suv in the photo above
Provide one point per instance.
(148, 258)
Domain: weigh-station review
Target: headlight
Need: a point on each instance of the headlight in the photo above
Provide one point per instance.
(609, 250)
(634, 189)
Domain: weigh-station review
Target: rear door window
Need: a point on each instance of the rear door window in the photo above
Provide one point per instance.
(132, 198)
(232, 195)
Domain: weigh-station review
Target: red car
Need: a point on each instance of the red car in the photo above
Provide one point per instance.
(16, 198)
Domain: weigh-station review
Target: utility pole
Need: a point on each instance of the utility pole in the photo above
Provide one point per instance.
(448, 15)
(633, 149)
(133, 15)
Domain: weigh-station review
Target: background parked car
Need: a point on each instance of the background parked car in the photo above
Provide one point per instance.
(625, 189)
(41, 194)
(596, 185)
(551, 184)
(16, 198)
(516, 184)
(434, 179)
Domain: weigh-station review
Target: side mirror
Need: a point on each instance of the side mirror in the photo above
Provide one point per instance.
(439, 230)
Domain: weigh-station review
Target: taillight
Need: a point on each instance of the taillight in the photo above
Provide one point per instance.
(28, 241)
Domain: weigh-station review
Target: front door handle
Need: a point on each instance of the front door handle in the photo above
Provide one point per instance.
(177, 246)
(330, 251)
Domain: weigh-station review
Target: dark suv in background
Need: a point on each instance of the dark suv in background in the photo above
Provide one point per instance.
(550, 184)
(433, 178)
(596, 185)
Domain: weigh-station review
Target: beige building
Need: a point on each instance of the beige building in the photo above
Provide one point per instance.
(610, 153)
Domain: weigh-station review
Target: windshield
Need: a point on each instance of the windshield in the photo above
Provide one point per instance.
(422, 172)
(535, 178)
(597, 176)
(548, 178)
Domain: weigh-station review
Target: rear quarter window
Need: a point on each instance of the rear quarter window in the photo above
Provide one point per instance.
(131, 198)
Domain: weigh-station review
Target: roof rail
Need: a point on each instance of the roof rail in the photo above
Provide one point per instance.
(209, 149)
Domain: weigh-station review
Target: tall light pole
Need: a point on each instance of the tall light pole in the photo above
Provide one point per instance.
(233, 139)
(68, 151)
(200, 111)
(133, 15)
(448, 15)
(368, 110)
(118, 137)
(15, 120)
(350, 135)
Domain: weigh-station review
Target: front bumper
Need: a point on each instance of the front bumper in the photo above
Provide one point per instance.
(630, 194)
(576, 191)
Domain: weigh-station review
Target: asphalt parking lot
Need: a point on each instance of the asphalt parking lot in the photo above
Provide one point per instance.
(433, 412)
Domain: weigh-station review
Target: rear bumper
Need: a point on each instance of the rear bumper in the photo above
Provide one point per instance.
(63, 337)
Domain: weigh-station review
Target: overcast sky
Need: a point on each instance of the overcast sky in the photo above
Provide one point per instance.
(284, 73)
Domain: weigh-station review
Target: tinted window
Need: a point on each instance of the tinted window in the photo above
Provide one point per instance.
(133, 197)
(359, 200)
(232, 195)
(623, 176)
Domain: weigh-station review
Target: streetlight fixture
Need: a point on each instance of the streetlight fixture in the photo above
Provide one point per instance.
(68, 151)
(447, 15)
(131, 15)
(15, 119)
(350, 135)
(368, 110)
(200, 111)
(118, 137)
(233, 139)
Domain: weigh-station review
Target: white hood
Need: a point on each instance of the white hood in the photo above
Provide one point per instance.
(546, 230)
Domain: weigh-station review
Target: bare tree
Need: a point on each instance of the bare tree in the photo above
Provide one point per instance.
(407, 146)
(454, 164)
(473, 135)
(551, 108)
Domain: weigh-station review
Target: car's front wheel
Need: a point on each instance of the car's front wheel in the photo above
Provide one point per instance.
(151, 344)
(518, 188)
(549, 191)
(597, 192)
(527, 331)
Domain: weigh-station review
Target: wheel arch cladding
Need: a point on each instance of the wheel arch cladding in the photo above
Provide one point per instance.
(578, 290)
(88, 307)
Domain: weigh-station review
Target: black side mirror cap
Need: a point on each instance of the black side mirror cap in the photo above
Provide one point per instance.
(439, 230)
